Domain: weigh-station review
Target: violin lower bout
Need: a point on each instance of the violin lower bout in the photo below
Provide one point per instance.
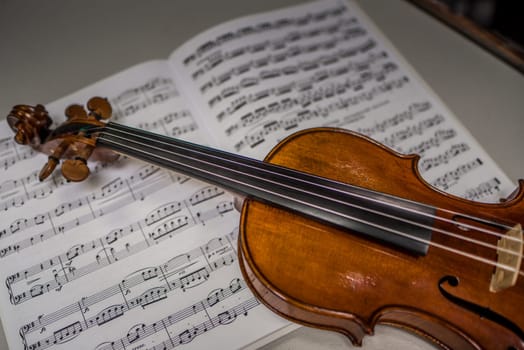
(322, 276)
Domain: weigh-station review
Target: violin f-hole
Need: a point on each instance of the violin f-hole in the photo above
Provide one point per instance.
(481, 311)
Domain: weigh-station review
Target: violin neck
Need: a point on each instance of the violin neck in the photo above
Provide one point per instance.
(375, 215)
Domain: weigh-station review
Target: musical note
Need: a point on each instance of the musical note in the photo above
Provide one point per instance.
(300, 21)
(486, 188)
(67, 333)
(109, 314)
(258, 134)
(178, 131)
(11, 153)
(133, 100)
(21, 191)
(162, 212)
(194, 278)
(402, 135)
(136, 332)
(151, 295)
(220, 209)
(399, 118)
(445, 181)
(124, 250)
(204, 321)
(443, 158)
(325, 90)
(111, 197)
(162, 124)
(170, 227)
(220, 253)
(205, 194)
(434, 141)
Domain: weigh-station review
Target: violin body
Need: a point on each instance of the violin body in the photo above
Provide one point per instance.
(323, 276)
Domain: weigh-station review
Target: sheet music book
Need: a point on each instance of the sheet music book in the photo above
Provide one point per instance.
(138, 257)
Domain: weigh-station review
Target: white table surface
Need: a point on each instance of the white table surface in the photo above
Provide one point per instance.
(51, 48)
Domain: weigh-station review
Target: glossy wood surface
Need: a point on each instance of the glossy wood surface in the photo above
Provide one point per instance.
(319, 275)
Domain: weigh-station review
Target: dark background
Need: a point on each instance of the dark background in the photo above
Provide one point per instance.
(495, 25)
(504, 18)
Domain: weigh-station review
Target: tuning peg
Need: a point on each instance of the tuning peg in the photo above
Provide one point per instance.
(72, 169)
(75, 112)
(48, 168)
(99, 107)
(75, 169)
(53, 159)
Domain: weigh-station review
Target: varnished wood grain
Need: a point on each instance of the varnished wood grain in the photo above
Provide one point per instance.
(329, 278)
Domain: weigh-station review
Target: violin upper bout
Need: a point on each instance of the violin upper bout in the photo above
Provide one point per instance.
(516, 195)
(349, 157)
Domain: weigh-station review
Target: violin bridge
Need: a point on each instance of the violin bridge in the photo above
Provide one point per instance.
(509, 259)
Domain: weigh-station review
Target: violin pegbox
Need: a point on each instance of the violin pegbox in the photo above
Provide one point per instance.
(68, 140)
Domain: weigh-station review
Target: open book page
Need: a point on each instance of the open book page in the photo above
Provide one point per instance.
(138, 257)
(263, 77)
(133, 257)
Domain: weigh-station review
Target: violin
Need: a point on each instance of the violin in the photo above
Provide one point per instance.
(337, 231)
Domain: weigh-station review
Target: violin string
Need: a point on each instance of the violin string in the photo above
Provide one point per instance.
(356, 195)
(353, 194)
(453, 250)
(365, 208)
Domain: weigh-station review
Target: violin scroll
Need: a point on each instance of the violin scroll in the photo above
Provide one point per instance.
(30, 124)
(71, 140)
